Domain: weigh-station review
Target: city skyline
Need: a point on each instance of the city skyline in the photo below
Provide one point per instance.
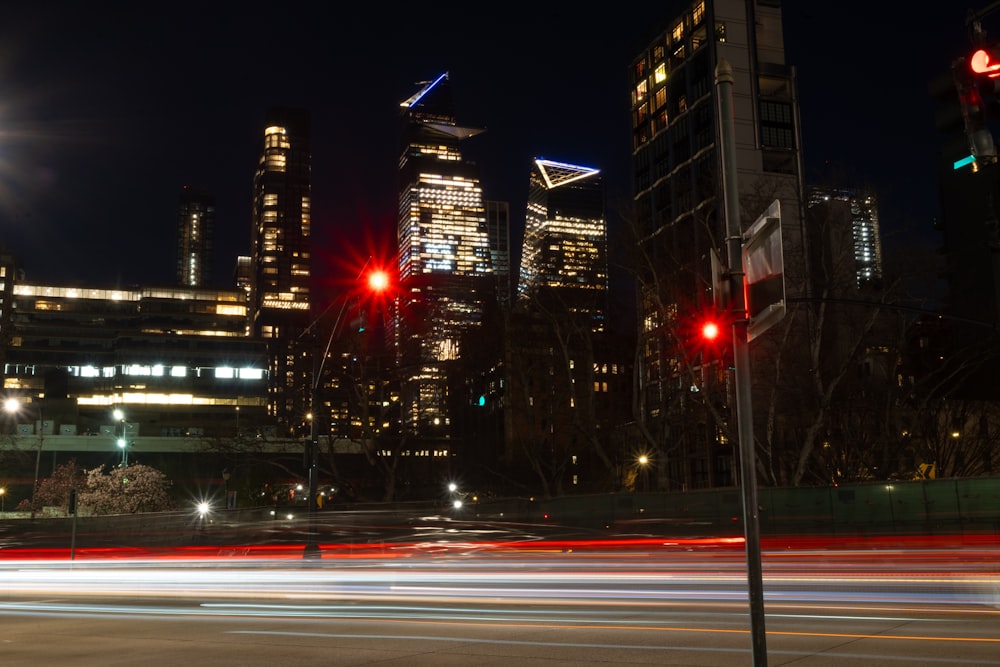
(678, 383)
(99, 136)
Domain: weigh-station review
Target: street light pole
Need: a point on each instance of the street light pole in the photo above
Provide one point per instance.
(312, 454)
(378, 282)
(123, 440)
(38, 457)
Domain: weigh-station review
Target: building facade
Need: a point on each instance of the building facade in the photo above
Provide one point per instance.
(679, 214)
(565, 251)
(195, 227)
(280, 298)
(850, 215)
(564, 368)
(8, 275)
(445, 268)
(172, 359)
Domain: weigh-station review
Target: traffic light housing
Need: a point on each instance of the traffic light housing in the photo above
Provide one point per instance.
(704, 334)
(985, 63)
(977, 78)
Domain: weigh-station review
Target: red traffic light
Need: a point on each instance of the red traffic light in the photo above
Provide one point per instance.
(378, 281)
(710, 330)
(981, 62)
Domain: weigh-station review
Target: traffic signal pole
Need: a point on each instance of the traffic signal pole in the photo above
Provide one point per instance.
(741, 356)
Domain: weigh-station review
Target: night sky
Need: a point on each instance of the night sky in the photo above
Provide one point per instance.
(108, 109)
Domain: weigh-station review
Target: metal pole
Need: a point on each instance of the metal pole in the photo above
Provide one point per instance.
(38, 457)
(312, 455)
(124, 444)
(741, 356)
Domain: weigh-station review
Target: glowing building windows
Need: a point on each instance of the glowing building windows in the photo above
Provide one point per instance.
(276, 162)
(276, 137)
(640, 91)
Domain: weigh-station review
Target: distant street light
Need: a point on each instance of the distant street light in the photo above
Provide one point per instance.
(3, 496)
(643, 462)
(13, 406)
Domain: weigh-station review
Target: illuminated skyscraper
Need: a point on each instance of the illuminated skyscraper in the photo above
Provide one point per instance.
(561, 362)
(856, 211)
(445, 271)
(195, 223)
(280, 261)
(565, 252)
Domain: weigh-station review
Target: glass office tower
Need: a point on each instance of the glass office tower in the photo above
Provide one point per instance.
(565, 239)
(445, 270)
(859, 225)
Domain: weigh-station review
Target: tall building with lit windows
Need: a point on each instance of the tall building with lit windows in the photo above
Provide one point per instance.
(195, 225)
(845, 221)
(445, 270)
(280, 261)
(565, 373)
(679, 209)
(565, 251)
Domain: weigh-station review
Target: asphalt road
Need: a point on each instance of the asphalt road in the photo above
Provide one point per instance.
(465, 604)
